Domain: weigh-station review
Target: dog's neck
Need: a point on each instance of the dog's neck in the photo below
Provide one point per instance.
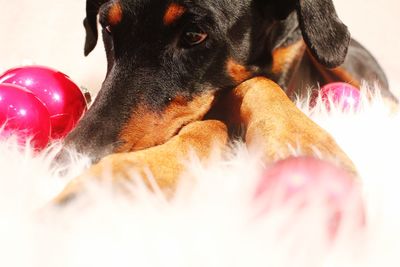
(290, 63)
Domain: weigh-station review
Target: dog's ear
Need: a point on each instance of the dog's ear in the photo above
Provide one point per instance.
(90, 23)
(324, 33)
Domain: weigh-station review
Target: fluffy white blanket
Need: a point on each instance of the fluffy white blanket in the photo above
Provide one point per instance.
(214, 222)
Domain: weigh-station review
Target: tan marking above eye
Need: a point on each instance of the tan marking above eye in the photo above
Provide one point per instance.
(115, 14)
(173, 13)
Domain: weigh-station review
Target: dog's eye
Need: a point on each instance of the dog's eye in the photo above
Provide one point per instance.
(194, 36)
(108, 29)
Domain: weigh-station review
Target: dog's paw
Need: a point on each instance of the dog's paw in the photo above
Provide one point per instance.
(164, 163)
(279, 128)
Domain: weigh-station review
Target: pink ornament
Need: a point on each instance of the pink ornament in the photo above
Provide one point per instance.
(23, 114)
(63, 99)
(306, 181)
(340, 94)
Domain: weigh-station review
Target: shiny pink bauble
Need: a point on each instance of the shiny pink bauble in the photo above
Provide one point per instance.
(62, 97)
(307, 181)
(340, 94)
(23, 114)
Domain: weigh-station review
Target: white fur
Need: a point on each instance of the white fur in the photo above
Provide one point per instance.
(214, 222)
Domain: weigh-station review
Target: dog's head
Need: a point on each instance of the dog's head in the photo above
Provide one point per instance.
(168, 60)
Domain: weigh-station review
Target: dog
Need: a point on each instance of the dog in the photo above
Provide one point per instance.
(183, 75)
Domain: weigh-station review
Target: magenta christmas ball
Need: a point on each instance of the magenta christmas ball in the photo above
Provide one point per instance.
(63, 99)
(307, 182)
(24, 115)
(296, 174)
(340, 94)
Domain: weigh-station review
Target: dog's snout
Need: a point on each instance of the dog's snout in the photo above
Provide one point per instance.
(96, 134)
(90, 142)
(123, 124)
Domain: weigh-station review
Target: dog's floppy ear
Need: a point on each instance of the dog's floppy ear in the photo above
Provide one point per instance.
(90, 23)
(324, 33)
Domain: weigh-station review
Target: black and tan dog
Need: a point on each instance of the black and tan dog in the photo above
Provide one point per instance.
(182, 72)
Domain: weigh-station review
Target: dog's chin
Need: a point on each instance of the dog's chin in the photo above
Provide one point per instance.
(147, 128)
(153, 138)
(139, 139)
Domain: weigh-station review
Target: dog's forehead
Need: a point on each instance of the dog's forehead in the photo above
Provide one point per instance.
(223, 9)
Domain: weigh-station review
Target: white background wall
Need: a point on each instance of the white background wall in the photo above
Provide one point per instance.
(50, 32)
(376, 24)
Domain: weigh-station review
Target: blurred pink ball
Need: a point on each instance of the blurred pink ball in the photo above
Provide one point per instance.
(63, 98)
(341, 94)
(304, 181)
(23, 114)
